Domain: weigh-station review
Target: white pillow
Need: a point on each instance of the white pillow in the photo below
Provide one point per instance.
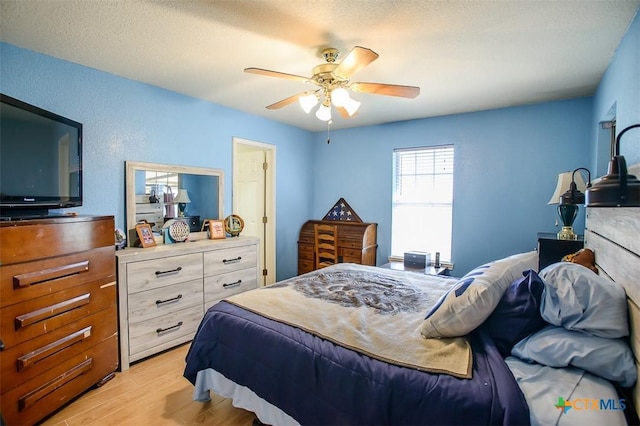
(472, 299)
(576, 298)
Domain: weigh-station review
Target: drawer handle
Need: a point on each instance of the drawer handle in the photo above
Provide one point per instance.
(229, 285)
(173, 299)
(51, 311)
(171, 271)
(37, 394)
(227, 261)
(163, 330)
(53, 348)
(25, 280)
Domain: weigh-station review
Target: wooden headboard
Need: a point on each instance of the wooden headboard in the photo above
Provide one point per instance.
(613, 233)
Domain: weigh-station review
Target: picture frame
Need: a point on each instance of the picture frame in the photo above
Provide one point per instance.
(205, 225)
(233, 225)
(217, 229)
(145, 234)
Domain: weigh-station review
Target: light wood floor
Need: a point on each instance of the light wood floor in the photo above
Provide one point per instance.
(151, 392)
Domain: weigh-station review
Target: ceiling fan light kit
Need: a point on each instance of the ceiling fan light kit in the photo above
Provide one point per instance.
(333, 80)
(340, 96)
(324, 111)
(351, 105)
(307, 102)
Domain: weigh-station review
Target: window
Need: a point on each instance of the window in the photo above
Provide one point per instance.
(422, 201)
(160, 183)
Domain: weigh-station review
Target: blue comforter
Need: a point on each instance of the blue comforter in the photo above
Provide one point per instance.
(320, 383)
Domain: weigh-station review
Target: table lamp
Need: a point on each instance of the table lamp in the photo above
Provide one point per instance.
(182, 199)
(568, 194)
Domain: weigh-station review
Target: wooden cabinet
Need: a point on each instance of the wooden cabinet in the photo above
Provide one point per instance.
(357, 243)
(58, 318)
(164, 291)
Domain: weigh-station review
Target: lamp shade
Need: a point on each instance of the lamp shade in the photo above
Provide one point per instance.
(351, 105)
(307, 102)
(182, 197)
(340, 96)
(563, 185)
(617, 188)
(324, 112)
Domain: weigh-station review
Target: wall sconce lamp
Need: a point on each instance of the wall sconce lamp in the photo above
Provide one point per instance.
(617, 188)
(182, 199)
(568, 194)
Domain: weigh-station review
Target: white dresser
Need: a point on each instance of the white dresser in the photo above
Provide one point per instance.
(164, 291)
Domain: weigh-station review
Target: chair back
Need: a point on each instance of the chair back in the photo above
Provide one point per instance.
(326, 245)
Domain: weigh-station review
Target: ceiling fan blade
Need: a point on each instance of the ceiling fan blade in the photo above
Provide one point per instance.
(287, 101)
(278, 74)
(386, 89)
(358, 58)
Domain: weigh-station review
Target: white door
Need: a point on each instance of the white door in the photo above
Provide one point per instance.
(254, 198)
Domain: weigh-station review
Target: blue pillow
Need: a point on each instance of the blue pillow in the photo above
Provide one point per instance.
(518, 313)
(472, 299)
(558, 347)
(576, 298)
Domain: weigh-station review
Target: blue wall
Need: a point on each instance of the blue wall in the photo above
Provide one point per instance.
(618, 96)
(506, 163)
(128, 120)
(506, 158)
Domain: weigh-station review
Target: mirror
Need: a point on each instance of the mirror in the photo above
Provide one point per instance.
(157, 193)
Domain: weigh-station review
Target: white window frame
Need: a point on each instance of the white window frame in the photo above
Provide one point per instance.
(422, 201)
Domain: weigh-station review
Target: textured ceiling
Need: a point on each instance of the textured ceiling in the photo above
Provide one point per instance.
(464, 55)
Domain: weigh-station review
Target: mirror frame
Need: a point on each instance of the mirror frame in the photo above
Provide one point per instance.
(130, 184)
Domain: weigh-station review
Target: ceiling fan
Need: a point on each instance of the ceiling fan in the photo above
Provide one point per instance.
(333, 81)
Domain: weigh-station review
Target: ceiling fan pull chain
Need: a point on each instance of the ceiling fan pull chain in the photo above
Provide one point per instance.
(329, 131)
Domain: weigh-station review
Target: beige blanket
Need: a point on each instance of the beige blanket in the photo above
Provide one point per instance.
(375, 311)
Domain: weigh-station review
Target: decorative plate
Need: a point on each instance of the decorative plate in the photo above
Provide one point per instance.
(179, 230)
(233, 224)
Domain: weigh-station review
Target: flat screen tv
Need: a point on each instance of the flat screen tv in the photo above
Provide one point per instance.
(40, 160)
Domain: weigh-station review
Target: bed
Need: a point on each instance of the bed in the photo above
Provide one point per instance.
(353, 344)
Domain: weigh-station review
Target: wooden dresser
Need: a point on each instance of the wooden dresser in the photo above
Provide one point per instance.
(164, 291)
(357, 243)
(58, 312)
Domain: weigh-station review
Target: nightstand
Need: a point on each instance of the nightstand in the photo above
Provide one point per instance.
(429, 270)
(552, 250)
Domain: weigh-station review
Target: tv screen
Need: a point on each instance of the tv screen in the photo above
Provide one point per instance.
(40, 160)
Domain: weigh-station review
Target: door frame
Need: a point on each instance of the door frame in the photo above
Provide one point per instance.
(268, 240)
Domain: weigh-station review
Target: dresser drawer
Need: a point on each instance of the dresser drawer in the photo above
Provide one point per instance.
(349, 253)
(33, 318)
(179, 326)
(34, 357)
(220, 286)
(37, 278)
(306, 252)
(150, 274)
(228, 260)
(27, 240)
(164, 300)
(34, 399)
(305, 266)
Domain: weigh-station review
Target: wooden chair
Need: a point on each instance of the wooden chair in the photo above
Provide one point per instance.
(326, 245)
